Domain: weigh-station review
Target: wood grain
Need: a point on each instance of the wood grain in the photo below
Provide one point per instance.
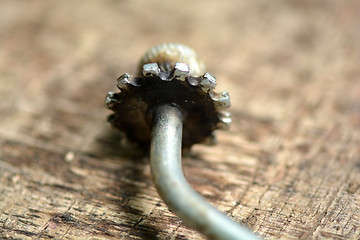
(289, 168)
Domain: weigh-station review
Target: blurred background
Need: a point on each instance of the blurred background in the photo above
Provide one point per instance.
(62, 52)
(292, 68)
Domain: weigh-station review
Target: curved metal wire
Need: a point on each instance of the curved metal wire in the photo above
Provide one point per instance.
(174, 189)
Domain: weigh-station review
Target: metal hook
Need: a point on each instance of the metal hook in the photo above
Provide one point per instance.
(153, 109)
(173, 188)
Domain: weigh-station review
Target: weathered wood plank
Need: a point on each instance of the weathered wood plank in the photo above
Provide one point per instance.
(289, 168)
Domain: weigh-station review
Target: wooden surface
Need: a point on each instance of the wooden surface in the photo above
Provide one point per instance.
(289, 168)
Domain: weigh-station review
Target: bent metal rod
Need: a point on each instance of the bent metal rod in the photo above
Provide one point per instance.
(170, 107)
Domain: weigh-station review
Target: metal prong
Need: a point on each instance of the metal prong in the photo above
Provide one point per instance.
(109, 100)
(221, 100)
(151, 69)
(208, 82)
(224, 121)
(193, 81)
(182, 71)
(124, 81)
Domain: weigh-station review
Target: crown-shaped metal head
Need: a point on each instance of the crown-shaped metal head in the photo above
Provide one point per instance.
(170, 74)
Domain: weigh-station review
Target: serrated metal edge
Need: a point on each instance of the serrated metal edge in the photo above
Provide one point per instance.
(124, 82)
(109, 100)
(224, 121)
(193, 81)
(221, 100)
(151, 70)
(208, 82)
(181, 71)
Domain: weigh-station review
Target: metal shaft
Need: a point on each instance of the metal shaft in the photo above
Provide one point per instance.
(173, 187)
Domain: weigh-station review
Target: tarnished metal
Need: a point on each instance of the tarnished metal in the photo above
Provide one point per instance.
(182, 71)
(172, 105)
(173, 188)
(169, 82)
